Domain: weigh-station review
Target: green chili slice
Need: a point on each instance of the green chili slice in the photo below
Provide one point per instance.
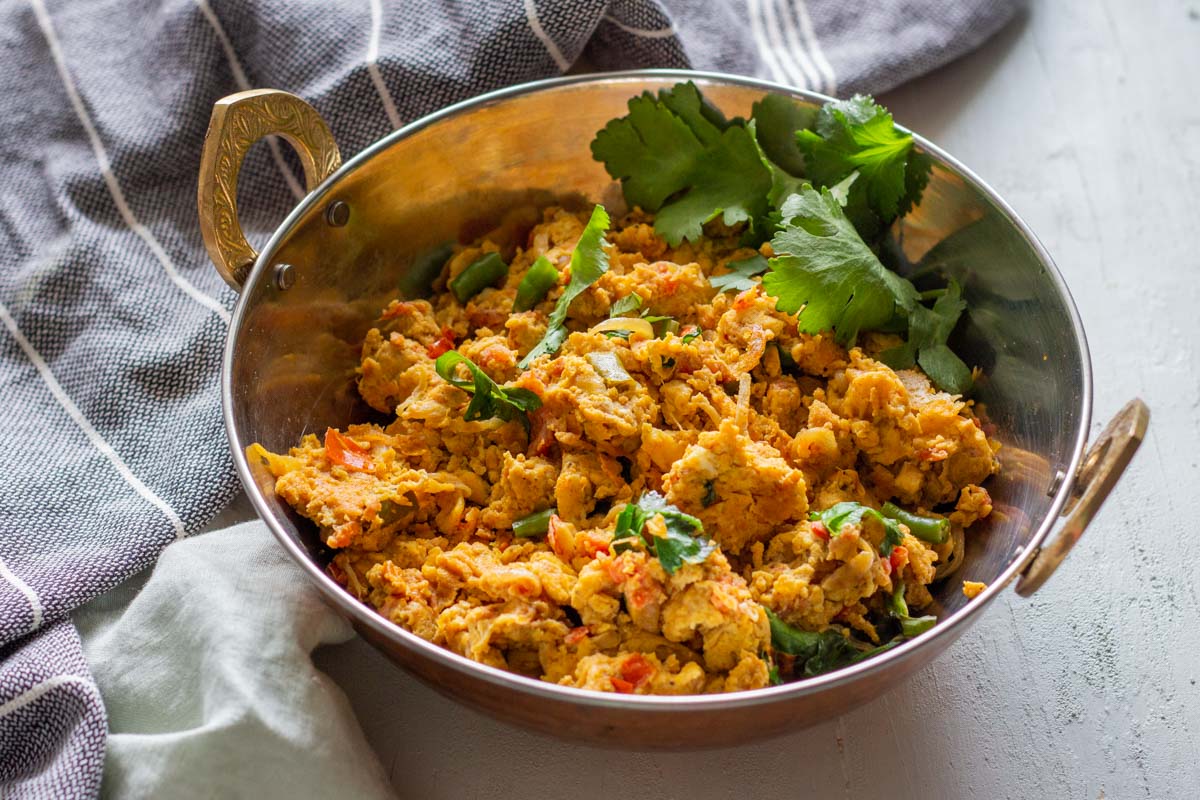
(534, 526)
(929, 529)
(478, 276)
(541, 278)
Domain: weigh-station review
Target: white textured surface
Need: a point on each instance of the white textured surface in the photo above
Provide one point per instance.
(1086, 118)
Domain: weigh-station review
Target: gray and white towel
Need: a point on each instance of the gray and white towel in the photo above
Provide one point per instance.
(112, 319)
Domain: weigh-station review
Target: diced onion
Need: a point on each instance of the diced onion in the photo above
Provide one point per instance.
(609, 367)
(635, 325)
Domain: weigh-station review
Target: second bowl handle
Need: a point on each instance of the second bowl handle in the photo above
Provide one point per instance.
(1103, 466)
(238, 121)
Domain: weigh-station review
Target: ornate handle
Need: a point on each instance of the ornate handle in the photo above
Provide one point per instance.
(1103, 466)
(238, 121)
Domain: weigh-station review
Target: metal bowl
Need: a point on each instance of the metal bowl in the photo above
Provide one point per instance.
(376, 225)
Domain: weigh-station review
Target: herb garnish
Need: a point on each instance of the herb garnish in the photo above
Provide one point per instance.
(588, 263)
(627, 304)
(826, 274)
(928, 330)
(487, 398)
(846, 513)
(685, 541)
(741, 275)
(859, 135)
(817, 653)
(677, 156)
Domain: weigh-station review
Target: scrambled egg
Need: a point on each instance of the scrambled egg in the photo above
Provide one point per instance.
(748, 426)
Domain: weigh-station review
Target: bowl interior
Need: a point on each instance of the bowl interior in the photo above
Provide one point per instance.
(450, 177)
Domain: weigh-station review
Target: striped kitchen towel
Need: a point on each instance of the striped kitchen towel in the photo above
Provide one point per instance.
(112, 319)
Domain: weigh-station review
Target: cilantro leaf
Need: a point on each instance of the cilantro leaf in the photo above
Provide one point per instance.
(629, 303)
(858, 135)
(730, 181)
(676, 156)
(846, 513)
(928, 331)
(777, 119)
(824, 271)
(685, 541)
(588, 263)
(487, 398)
(741, 275)
(783, 183)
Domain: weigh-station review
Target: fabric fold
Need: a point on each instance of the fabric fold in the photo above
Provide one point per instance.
(207, 674)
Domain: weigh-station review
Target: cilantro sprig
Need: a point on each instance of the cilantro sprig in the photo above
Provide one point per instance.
(676, 156)
(685, 542)
(826, 274)
(859, 135)
(487, 398)
(824, 184)
(588, 263)
(928, 331)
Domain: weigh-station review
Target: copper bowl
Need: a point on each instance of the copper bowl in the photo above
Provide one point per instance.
(378, 224)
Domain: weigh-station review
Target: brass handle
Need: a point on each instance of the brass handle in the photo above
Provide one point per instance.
(238, 121)
(1103, 466)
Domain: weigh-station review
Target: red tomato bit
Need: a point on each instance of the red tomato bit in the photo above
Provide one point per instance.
(637, 670)
(622, 686)
(346, 452)
(444, 344)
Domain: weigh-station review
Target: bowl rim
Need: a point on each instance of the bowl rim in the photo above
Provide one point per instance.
(946, 630)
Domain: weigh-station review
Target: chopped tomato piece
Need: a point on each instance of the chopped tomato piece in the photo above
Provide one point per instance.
(745, 299)
(898, 558)
(637, 670)
(398, 308)
(887, 566)
(933, 454)
(594, 542)
(614, 568)
(622, 686)
(576, 635)
(487, 318)
(819, 530)
(541, 435)
(346, 452)
(555, 539)
(444, 344)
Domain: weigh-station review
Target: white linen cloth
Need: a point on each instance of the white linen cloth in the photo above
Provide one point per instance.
(207, 676)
